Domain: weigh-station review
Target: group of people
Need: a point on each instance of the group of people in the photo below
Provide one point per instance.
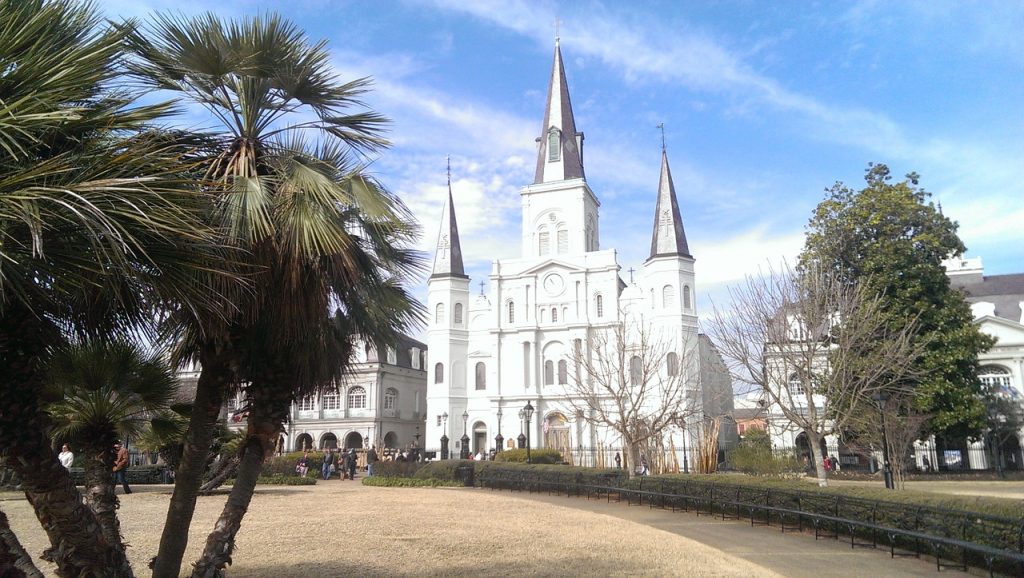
(831, 464)
(345, 461)
(119, 470)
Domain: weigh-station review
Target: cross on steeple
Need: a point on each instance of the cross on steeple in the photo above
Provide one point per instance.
(661, 126)
(449, 159)
(631, 270)
(558, 27)
(481, 287)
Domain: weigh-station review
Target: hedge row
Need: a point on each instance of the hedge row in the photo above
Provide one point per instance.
(145, 474)
(395, 482)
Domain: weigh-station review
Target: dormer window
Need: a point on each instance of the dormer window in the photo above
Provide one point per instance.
(554, 146)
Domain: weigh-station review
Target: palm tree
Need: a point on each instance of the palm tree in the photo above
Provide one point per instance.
(105, 393)
(320, 233)
(96, 229)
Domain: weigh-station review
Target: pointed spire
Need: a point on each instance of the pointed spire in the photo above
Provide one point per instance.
(448, 258)
(560, 154)
(668, 238)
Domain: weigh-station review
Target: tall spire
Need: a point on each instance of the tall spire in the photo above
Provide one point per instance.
(668, 238)
(560, 154)
(448, 258)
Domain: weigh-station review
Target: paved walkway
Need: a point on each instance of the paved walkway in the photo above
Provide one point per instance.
(790, 554)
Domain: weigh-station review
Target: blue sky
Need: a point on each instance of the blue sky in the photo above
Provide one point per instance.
(765, 104)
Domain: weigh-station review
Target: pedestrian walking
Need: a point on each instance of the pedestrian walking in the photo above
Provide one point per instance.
(327, 468)
(121, 466)
(66, 457)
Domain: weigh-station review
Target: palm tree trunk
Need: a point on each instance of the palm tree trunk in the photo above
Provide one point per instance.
(78, 545)
(14, 560)
(266, 416)
(99, 492)
(210, 390)
(228, 468)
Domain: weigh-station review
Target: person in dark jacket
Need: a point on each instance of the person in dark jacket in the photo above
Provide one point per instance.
(350, 463)
(371, 458)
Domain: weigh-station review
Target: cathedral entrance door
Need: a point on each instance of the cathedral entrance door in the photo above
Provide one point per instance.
(556, 435)
(479, 437)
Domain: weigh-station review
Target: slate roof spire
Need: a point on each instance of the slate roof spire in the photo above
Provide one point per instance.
(668, 238)
(560, 154)
(448, 258)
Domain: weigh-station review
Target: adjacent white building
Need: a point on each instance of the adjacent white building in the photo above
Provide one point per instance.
(380, 401)
(493, 352)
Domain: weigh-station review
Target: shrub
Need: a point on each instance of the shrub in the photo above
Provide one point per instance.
(283, 480)
(396, 469)
(396, 482)
(443, 470)
(537, 456)
(757, 460)
(284, 465)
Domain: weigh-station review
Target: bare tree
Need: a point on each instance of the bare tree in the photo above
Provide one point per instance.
(903, 424)
(817, 347)
(634, 382)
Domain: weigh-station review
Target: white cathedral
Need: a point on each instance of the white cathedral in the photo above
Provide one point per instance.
(491, 354)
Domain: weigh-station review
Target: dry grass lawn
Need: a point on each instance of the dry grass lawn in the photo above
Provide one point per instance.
(345, 529)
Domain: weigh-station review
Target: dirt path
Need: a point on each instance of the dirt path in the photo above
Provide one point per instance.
(344, 529)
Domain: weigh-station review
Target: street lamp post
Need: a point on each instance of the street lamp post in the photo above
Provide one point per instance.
(498, 440)
(416, 446)
(880, 398)
(444, 436)
(528, 413)
(521, 440)
(464, 452)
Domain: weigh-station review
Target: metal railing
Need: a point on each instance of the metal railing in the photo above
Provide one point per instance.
(955, 538)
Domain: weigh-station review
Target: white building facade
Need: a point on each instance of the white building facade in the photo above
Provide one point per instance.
(380, 401)
(492, 353)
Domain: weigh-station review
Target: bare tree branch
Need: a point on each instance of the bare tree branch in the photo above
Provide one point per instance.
(816, 347)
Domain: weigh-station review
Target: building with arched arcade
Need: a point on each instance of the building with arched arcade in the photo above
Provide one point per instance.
(380, 401)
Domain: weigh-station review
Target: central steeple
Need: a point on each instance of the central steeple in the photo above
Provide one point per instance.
(560, 154)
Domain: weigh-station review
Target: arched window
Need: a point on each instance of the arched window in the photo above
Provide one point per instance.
(668, 296)
(563, 241)
(511, 311)
(438, 372)
(997, 380)
(391, 397)
(686, 297)
(439, 313)
(356, 398)
(600, 306)
(481, 375)
(549, 372)
(672, 363)
(554, 315)
(330, 400)
(458, 313)
(554, 146)
(636, 370)
(796, 385)
(543, 242)
(563, 372)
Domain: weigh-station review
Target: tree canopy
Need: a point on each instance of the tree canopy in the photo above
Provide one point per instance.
(890, 237)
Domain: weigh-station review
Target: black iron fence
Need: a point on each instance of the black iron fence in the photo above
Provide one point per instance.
(953, 537)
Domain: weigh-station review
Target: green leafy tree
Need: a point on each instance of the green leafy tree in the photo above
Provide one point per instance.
(889, 237)
(104, 393)
(318, 231)
(97, 228)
